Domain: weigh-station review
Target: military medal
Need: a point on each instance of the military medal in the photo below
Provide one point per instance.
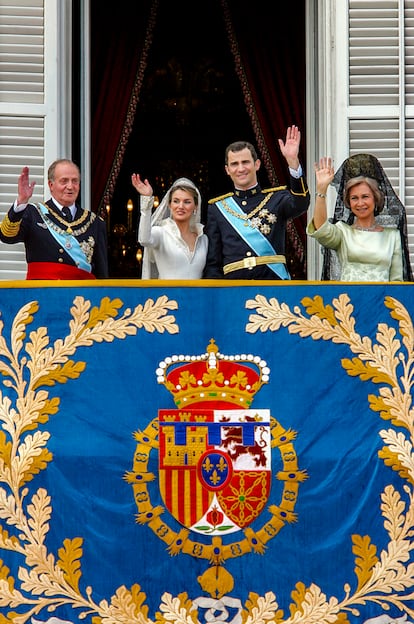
(254, 219)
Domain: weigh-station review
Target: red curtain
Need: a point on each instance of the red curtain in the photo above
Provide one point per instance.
(119, 46)
(272, 79)
(273, 83)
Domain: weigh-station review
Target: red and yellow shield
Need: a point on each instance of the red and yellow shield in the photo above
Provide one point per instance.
(215, 467)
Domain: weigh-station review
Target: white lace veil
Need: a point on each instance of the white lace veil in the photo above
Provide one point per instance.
(162, 212)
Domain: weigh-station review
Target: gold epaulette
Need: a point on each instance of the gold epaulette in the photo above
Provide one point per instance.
(216, 199)
(275, 188)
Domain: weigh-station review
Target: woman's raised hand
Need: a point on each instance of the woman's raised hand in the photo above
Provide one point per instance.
(142, 186)
(324, 173)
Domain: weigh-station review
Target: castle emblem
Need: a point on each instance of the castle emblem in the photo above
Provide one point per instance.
(214, 464)
(221, 464)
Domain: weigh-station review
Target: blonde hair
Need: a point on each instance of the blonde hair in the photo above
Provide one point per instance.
(379, 196)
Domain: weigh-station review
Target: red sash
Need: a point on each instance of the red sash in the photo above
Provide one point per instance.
(54, 270)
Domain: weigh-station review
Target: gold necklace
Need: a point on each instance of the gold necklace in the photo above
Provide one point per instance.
(68, 224)
(243, 216)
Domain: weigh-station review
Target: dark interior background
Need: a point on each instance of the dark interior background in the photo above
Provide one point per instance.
(191, 104)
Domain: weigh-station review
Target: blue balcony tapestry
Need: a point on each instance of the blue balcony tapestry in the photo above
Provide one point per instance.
(214, 452)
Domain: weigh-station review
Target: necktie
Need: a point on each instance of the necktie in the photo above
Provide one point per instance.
(67, 213)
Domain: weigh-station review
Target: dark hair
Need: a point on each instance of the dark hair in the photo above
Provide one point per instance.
(238, 146)
(187, 189)
(379, 197)
(60, 161)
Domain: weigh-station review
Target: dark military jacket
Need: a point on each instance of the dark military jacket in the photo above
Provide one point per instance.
(29, 228)
(269, 210)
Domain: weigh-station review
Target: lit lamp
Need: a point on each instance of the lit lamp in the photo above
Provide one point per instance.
(156, 202)
(130, 208)
(108, 218)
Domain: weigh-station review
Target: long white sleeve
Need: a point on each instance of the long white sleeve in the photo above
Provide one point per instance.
(145, 234)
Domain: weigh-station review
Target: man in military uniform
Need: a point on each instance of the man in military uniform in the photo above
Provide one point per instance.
(246, 229)
(62, 241)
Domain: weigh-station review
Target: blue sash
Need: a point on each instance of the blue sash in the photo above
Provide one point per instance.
(252, 236)
(68, 242)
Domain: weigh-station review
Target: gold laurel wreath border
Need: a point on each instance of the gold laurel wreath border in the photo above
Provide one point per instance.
(310, 604)
(46, 581)
(380, 578)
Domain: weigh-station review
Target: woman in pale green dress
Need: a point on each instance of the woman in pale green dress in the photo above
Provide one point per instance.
(366, 241)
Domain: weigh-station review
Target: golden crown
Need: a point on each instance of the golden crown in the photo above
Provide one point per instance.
(225, 380)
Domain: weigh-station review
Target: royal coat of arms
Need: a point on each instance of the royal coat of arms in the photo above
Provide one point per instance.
(220, 460)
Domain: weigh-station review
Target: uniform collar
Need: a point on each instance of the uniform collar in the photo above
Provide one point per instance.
(72, 207)
(251, 192)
